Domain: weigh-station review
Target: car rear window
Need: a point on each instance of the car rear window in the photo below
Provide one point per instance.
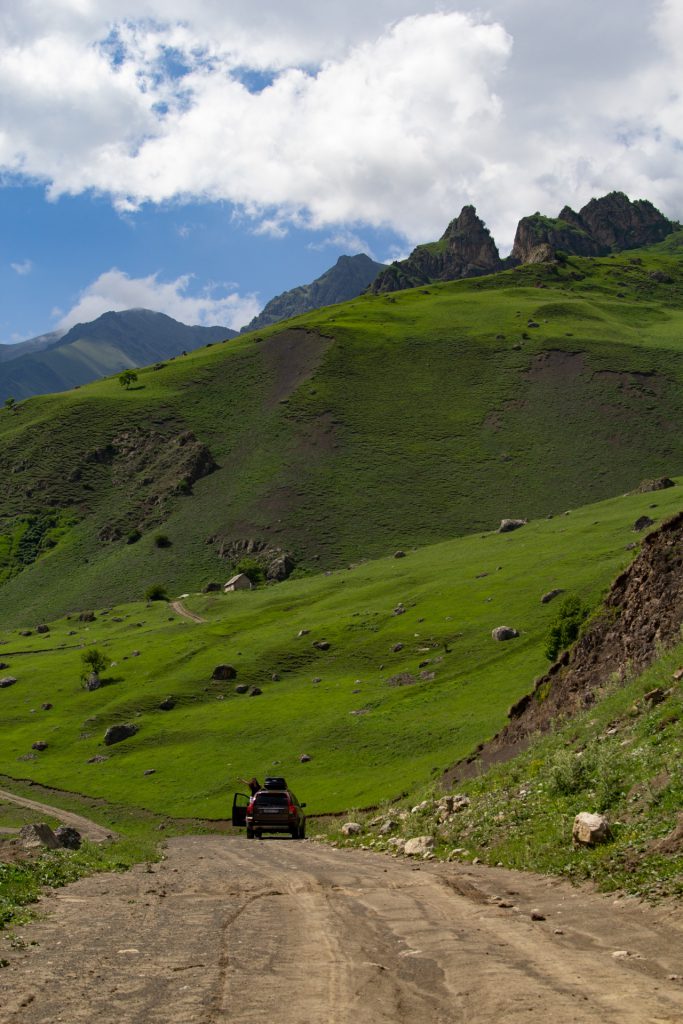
(272, 800)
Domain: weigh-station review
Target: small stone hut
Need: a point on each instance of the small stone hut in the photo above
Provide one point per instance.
(239, 582)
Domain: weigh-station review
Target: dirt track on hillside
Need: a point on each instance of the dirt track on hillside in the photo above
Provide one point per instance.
(180, 608)
(88, 829)
(230, 930)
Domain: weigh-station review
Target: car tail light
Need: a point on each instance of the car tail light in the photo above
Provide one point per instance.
(292, 809)
(250, 807)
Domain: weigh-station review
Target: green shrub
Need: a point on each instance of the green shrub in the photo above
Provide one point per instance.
(571, 614)
(133, 537)
(162, 541)
(251, 568)
(568, 773)
(156, 592)
(93, 660)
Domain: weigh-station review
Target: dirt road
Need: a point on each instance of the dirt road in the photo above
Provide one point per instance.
(180, 609)
(226, 930)
(88, 829)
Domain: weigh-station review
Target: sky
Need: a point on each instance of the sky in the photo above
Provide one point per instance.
(198, 159)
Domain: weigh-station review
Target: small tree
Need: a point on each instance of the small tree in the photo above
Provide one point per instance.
(10, 405)
(251, 568)
(156, 592)
(93, 660)
(127, 378)
(162, 541)
(571, 614)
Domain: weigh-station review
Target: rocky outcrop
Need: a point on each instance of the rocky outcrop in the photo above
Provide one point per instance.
(347, 279)
(466, 249)
(590, 829)
(640, 617)
(277, 565)
(604, 225)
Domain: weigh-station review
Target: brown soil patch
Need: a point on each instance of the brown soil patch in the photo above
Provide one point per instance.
(291, 358)
(557, 367)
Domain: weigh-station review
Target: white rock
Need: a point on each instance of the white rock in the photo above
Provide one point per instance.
(419, 846)
(351, 828)
(388, 827)
(396, 844)
(424, 806)
(504, 633)
(590, 829)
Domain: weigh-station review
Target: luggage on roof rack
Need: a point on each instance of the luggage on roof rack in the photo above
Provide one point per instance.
(275, 782)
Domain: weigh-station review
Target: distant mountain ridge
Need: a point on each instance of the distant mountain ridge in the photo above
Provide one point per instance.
(346, 280)
(113, 342)
(612, 223)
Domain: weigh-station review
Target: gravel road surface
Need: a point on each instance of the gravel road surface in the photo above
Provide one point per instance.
(227, 930)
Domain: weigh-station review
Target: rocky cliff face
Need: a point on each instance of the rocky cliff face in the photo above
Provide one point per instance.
(604, 225)
(466, 249)
(347, 279)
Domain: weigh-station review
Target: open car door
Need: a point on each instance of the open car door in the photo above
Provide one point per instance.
(240, 802)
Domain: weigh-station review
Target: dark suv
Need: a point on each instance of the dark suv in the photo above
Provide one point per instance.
(270, 810)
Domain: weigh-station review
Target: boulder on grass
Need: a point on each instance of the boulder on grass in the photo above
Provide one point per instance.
(590, 829)
(223, 672)
(118, 733)
(39, 745)
(419, 846)
(7, 681)
(551, 595)
(351, 828)
(92, 682)
(504, 633)
(69, 838)
(508, 525)
(38, 836)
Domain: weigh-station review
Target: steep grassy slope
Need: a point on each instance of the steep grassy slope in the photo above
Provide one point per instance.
(370, 735)
(390, 421)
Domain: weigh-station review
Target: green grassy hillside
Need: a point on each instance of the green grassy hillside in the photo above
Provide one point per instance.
(369, 737)
(391, 421)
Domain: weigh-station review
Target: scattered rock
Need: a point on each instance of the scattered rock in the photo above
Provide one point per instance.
(396, 844)
(643, 523)
(399, 554)
(351, 828)
(7, 681)
(388, 827)
(39, 745)
(427, 677)
(26, 632)
(302, 632)
(662, 483)
(321, 645)
(43, 628)
(97, 759)
(223, 672)
(118, 733)
(504, 633)
(35, 837)
(419, 846)
(167, 704)
(46, 706)
(135, 654)
(255, 691)
(242, 688)
(655, 696)
(305, 758)
(551, 595)
(86, 617)
(150, 771)
(275, 677)
(3, 664)
(399, 609)
(92, 681)
(397, 648)
(590, 829)
(508, 525)
(661, 277)
(424, 806)
(67, 837)
(402, 679)
(678, 675)
(536, 915)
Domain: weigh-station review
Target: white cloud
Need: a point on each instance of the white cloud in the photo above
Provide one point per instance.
(385, 114)
(22, 268)
(115, 290)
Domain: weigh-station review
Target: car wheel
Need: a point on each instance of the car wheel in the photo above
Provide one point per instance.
(259, 835)
(294, 832)
(302, 830)
(250, 833)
